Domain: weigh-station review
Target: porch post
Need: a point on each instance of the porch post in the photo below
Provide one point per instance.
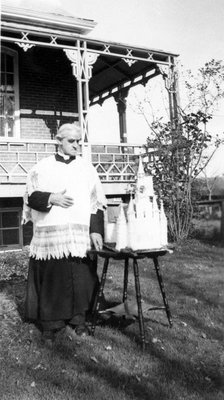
(82, 61)
(173, 93)
(83, 96)
(121, 101)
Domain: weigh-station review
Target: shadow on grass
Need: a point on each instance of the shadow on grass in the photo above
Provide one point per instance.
(79, 384)
(172, 369)
(186, 290)
(112, 377)
(80, 378)
(178, 368)
(213, 333)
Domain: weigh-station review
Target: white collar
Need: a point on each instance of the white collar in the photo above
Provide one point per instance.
(65, 156)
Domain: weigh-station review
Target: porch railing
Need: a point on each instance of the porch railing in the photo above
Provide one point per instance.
(113, 162)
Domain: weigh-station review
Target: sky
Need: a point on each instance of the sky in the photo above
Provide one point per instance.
(191, 28)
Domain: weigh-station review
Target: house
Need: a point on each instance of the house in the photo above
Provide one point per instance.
(52, 72)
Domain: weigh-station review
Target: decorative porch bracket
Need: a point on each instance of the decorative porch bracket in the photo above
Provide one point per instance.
(25, 43)
(82, 62)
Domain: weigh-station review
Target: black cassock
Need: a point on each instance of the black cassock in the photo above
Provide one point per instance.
(60, 291)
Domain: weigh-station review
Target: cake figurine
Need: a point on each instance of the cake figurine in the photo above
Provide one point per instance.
(121, 229)
(155, 224)
(131, 225)
(109, 229)
(163, 226)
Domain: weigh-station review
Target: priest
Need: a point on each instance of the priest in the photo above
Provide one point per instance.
(64, 200)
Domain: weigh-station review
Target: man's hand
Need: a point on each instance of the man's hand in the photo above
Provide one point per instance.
(60, 199)
(97, 240)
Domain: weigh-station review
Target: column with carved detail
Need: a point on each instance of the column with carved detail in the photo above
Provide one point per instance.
(121, 100)
(171, 83)
(174, 94)
(82, 62)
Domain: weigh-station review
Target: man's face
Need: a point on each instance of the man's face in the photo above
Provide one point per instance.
(69, 145)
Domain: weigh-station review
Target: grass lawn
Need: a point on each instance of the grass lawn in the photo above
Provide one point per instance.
(185, 362)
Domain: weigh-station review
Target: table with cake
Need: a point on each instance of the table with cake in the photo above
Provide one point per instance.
(139, 232)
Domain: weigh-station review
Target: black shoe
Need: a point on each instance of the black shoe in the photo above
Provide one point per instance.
(81, 330)
(75, 331)
(48, 338)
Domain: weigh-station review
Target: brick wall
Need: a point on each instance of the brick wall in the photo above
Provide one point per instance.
(48, 94)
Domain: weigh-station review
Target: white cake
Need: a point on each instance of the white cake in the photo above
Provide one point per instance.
(144, 226)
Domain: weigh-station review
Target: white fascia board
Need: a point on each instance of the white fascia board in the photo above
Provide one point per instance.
(50, 20)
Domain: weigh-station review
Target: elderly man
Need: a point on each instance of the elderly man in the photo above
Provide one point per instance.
(64, 200)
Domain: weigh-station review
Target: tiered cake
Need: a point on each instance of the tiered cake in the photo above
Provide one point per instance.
(142, 224)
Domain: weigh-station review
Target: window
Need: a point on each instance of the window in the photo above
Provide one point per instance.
(10, 228)
(9, 94)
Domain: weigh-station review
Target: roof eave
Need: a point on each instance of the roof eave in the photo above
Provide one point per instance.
(51, 21)
(16, 18)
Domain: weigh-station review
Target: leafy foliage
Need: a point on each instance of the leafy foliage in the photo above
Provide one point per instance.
(177, 162)
(205, 89)
(181, 146)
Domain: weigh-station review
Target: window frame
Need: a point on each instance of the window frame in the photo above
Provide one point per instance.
(19, 227)
(14, 54)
